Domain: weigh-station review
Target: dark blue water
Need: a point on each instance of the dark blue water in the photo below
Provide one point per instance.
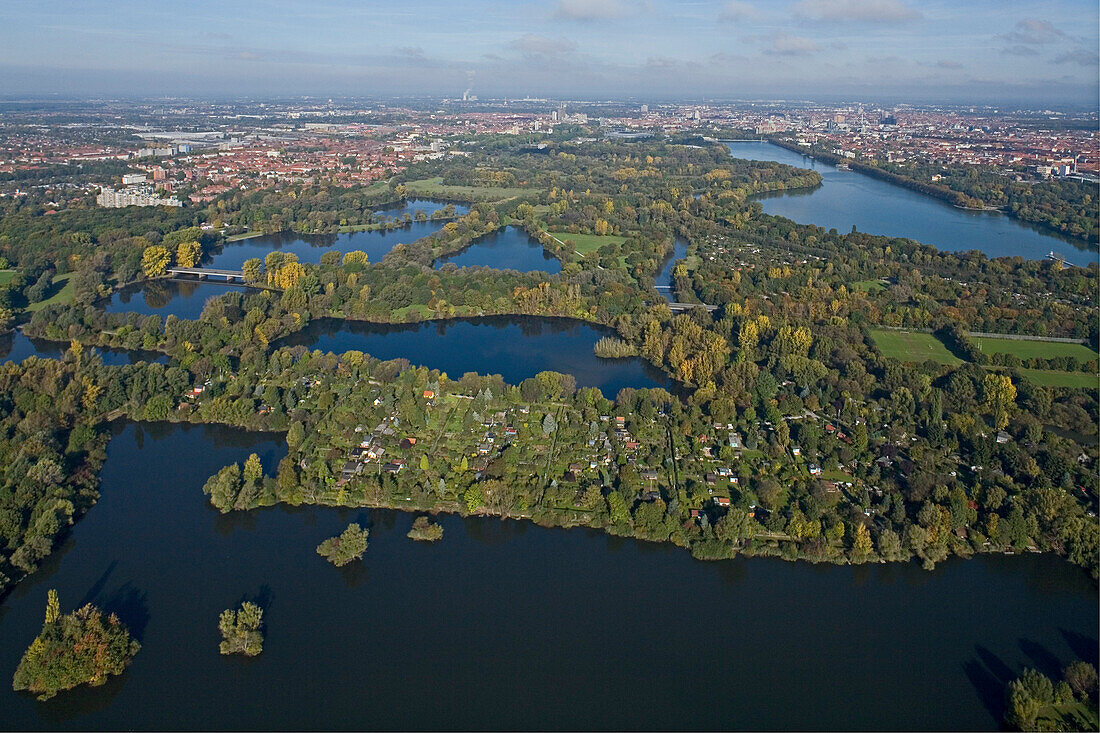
(848, 198)
(509, 248)
(16, 347)
(181, 298)
(505, 625)
(309, 248)
(663, 281)
(515, 347)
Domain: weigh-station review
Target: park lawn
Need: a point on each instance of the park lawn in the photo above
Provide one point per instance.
(1033, 349)
(243, 235)
(435, 187)
(586, 243)
(869, 286)
(912, 346)
(1076, 380)
(423, 310)
(63, 294)
(6, 276)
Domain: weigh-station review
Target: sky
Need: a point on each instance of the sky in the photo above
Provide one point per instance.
(1023, 52)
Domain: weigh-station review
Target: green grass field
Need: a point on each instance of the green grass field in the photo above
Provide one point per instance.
(1047, 378)
(62, 293)
(434, 187)
(869, 286)
(6, 276)
(908, 346)
(1033, 349)
(586, 243)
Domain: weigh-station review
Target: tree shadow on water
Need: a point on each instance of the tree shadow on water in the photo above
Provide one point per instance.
(131, 606)
(354, 573)
(1084, 647)
(989, 675)
(1042, 658)
(263, 598)
(98, 586)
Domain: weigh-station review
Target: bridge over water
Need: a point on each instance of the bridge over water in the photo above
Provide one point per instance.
(203, 273)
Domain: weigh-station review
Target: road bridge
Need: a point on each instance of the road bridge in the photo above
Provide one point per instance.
(682, 307)
(203, 273)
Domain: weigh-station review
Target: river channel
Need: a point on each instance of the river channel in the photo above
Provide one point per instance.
(507, 625)
(848, 198)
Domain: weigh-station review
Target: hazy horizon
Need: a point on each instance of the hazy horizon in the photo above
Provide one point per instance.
(1020, 52)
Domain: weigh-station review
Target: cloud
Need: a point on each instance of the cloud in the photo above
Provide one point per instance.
(738, 10)
(593, 9)
(247, 56)
(876, 11)
(1034, 32)
(532, 45)
(948, 64)
(1079, 57)
(784, 44)
(1019, 50)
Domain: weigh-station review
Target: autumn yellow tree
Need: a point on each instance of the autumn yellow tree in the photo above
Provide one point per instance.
(155, 260)
(188, 254)
(253, 270)
(1000, 396)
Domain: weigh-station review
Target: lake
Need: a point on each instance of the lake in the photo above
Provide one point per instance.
(310, 247)
(848, 198)
(508, 248)
(16, 347)
(516, 347)
(181, 298)
(506, 625)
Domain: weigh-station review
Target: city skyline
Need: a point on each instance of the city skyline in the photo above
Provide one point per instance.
(983, 52)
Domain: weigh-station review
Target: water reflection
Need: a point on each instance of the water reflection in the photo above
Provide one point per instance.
(509, 248)
(310, 247)
(515, 347)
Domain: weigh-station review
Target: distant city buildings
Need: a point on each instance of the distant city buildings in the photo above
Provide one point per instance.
(133, 196)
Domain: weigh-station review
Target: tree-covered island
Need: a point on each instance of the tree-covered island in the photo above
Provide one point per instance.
(78, 648)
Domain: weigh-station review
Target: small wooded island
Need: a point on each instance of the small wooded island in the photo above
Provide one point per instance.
(242, 630)
(79, 648)
(425, 530)
(350, 545)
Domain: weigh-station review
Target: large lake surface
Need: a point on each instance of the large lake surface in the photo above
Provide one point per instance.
(848, 198)
(507, 625)
(309, 248)
(508, 248)
(516, 347)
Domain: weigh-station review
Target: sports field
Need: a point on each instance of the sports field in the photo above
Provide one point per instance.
(910, 346)
(1033, 349)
